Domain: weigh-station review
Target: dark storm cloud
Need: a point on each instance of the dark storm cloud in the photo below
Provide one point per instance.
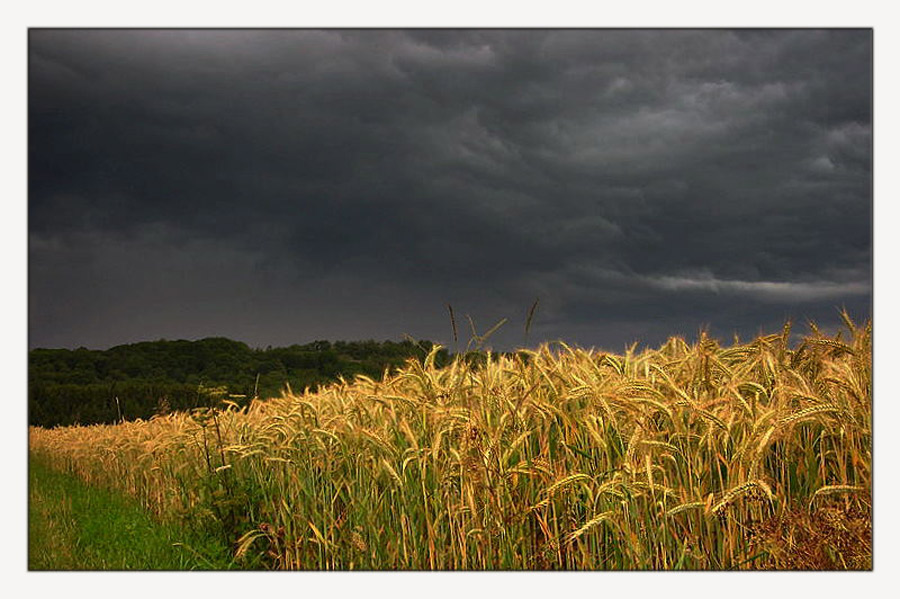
(281, 185)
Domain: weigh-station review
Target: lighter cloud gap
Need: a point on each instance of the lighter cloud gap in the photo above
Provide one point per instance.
(422, 53)
(763, 290)
(849, 133)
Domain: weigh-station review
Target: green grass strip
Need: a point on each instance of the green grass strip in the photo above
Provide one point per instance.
(73, 526)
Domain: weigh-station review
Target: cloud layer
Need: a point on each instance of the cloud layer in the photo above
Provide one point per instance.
(280, 186)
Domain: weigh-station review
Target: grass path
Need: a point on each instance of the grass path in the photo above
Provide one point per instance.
(72, 526)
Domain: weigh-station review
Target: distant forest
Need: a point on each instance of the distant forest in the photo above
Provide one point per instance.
(139, 380)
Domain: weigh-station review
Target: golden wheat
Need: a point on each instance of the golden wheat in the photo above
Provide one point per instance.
(683, 452)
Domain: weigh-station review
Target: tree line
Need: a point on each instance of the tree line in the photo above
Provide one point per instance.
(138, 380)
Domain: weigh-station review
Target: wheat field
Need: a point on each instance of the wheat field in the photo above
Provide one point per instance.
(688, 456)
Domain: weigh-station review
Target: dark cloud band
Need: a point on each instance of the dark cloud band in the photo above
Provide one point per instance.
(349, 184)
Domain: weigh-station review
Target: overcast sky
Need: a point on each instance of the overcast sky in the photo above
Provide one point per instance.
(278, 187)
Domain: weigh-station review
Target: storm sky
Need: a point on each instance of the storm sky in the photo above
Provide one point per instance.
(282, 186)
